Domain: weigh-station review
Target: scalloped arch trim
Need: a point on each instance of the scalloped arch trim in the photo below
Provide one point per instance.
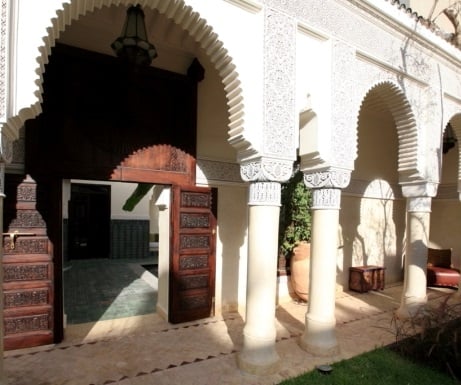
(181, 14)
(395, 100)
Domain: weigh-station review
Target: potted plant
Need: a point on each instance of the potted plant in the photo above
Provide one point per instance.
(295, 231)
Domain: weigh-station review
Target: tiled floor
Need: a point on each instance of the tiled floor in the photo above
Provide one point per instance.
(102, 289)
(146, 350)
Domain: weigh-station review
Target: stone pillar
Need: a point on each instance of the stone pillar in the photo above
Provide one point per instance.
(319, 335)
(259, 355)
(417, 238)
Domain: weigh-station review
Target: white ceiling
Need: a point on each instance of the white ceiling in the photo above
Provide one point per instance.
(97, 30)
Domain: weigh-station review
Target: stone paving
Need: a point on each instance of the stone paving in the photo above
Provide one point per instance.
(147, 350)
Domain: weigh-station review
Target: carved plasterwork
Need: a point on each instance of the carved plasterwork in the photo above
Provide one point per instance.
(6, 148)
(328, 179)
(280, 133)
(267, 170)
(326, 198)
(327, 187)
(208, 171)
(403, 104)
(343, 136)
(3, 60)
(264, 194)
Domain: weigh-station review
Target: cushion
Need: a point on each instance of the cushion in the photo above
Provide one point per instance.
(439, 257)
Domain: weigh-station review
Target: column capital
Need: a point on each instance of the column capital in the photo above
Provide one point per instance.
(419, 204)
(265, 194)
(331, 179)
(422, 189)
(266, 169)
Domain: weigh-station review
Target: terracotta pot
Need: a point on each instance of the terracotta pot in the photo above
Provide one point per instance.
(300, 261)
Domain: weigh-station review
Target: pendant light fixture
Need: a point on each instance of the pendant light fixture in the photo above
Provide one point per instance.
(133, 45)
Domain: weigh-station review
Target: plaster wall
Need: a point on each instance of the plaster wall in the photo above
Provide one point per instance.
(445, 227)
(371, 233)
(212, 118)
(446, 209)
(231, 249)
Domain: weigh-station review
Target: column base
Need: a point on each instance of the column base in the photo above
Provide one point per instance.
(410, 306)
(319, 338)
(257, 368)
(258, 357)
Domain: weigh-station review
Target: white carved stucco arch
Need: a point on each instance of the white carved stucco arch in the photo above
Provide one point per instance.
(395, 100)
(176, 10)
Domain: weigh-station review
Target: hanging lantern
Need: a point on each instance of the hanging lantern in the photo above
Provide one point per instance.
(133, 45)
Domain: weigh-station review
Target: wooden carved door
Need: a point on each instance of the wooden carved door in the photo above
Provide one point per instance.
(27, 268)
(192, 266)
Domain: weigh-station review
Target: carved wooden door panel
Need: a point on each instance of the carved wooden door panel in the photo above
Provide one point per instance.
(27, 269)
(192, 267)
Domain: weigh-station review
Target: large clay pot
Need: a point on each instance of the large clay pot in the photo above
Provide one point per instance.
(300, 261)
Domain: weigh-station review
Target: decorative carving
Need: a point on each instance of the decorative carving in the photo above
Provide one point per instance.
(6, 148)
(194, 242)
(15, 325)
(187, 282)
(192, 199)
(190, 262)
(328, 179)
(158, 157)
(326, 198)
(195, 302)
(26, 272)
(28, 218)
(193, 220)
(208, 171)
(265, 194)
(280, 131)
(26, 298)
(3, 60)
(267, 169)
(24, 245)
(27, 192)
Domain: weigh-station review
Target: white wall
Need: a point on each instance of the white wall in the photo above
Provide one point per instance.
(119, 193)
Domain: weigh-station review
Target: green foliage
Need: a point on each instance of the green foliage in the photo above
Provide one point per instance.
(379, 367)
(136, 196)
(295, 214)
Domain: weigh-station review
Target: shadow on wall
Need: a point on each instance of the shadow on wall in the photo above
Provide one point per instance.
(372, 231)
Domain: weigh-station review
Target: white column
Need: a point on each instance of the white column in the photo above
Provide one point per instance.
(417, 236)
(259, 355)
(319, 335)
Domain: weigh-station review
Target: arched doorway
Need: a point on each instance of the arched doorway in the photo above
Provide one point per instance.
(139, 128)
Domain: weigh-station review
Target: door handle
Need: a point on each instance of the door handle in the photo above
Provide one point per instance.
(13, 237)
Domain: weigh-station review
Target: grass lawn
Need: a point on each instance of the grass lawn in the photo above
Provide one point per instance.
(378, 367)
